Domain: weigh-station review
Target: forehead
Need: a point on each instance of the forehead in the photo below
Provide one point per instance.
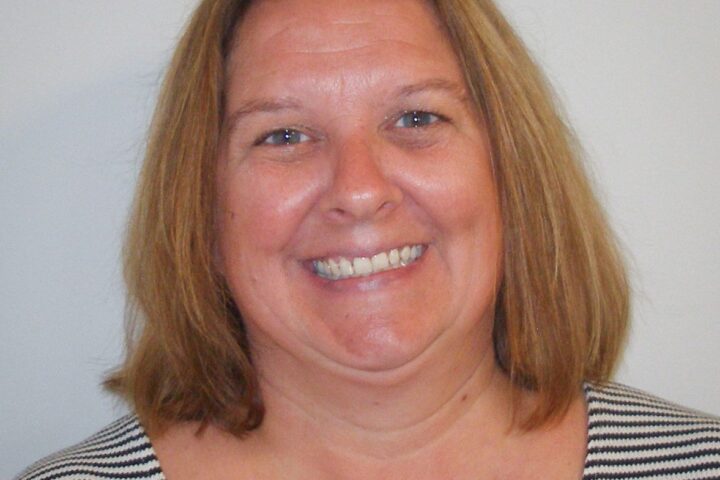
(311, 24)
(310, 36)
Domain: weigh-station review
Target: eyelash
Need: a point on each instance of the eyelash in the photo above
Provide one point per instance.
(292, 136)
(415, 117)
(287, 135)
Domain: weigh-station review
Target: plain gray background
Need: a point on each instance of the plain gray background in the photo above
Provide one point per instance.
(639, 80)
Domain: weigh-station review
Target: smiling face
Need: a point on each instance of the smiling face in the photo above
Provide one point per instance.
(358, 221)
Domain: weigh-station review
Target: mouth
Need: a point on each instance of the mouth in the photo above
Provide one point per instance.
(340, 268)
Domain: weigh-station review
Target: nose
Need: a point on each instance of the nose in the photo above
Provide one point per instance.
(361, 188)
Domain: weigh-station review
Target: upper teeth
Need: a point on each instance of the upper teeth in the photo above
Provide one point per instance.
(341, 267)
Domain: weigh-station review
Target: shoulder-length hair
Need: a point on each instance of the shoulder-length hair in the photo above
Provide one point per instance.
(562, 309)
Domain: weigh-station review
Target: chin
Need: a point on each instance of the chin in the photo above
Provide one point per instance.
(379, 348)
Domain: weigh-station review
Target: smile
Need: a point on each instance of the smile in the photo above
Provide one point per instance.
(341, 268)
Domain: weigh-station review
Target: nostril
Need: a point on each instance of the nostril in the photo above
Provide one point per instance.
(338, 215)
(340, 212)
(388, 205)
(362, 207)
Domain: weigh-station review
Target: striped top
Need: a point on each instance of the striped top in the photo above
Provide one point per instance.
(631, 435)
(634, 435)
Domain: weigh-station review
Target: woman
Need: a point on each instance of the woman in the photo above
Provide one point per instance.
(362, 247)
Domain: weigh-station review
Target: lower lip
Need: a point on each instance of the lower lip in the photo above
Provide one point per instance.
(369, 282)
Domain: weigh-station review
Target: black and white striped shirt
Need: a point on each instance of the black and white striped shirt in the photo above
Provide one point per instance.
(631, 435)
(634, 435)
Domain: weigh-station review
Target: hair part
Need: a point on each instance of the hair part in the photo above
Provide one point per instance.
(563, 305)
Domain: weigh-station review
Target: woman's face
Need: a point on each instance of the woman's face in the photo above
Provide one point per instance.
(358, 218)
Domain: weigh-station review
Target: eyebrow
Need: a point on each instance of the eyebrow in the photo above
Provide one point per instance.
(274, 105)
(449, 86)
(261, 105)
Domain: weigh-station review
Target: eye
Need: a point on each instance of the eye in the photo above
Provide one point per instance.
(416, 119)
(285, 136)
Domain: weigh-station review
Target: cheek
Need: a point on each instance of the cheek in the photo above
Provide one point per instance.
(462, 201)
(459, 190)
(262, 208)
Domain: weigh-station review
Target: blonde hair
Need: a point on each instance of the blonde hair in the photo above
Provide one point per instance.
(562, 309)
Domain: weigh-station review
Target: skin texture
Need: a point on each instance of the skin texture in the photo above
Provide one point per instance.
(390, 375)
(358, 184)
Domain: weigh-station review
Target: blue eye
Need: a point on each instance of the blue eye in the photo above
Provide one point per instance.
(416, 119)
(285, 136)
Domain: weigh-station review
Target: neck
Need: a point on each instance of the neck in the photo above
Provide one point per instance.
(369, 420)
(447, 416)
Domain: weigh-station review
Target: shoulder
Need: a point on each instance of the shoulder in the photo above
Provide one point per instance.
(632, 434)
(120, 450)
